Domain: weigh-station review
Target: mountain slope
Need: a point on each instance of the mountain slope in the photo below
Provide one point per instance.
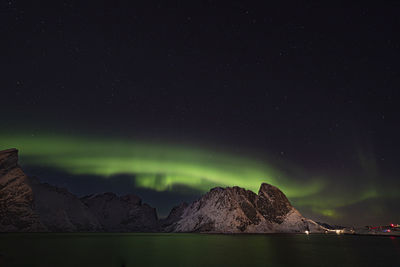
(122, 214)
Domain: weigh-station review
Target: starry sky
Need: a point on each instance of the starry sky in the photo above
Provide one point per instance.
(168, 99)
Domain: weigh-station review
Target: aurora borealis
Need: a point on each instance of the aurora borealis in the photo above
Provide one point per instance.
(164, 166)
(156, 166)
(169, 101)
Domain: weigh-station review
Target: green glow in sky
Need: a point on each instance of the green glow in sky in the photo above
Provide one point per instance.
(156, 166)
(162, 166)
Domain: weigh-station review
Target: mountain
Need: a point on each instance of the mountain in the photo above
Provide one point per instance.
(236, 210)
(30, 206)
(122, 214)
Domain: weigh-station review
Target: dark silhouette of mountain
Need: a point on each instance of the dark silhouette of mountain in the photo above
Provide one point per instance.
(122, 214)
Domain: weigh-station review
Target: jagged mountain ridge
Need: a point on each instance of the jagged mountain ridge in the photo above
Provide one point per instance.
(236, 210)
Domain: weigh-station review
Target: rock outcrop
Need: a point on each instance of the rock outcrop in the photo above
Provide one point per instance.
(30, 206)
(16, 197)
(236, 210)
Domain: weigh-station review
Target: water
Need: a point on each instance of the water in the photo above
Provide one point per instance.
(196, 250)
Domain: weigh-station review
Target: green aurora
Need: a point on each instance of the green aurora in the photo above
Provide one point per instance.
(155, 166)
(163, 166)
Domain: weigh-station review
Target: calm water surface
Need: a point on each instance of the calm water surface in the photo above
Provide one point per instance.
(197, 250)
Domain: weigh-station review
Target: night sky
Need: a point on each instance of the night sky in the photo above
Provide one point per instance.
(167, 100)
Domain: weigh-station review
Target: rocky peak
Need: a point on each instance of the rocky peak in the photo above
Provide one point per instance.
(272, 203)
(16, 196)
(272, 193)
(8, 160)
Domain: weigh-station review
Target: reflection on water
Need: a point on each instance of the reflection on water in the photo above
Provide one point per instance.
(196, 250)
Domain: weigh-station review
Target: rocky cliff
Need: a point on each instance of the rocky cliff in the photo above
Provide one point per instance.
(236, 210)
(16, 197)
(28, 205)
